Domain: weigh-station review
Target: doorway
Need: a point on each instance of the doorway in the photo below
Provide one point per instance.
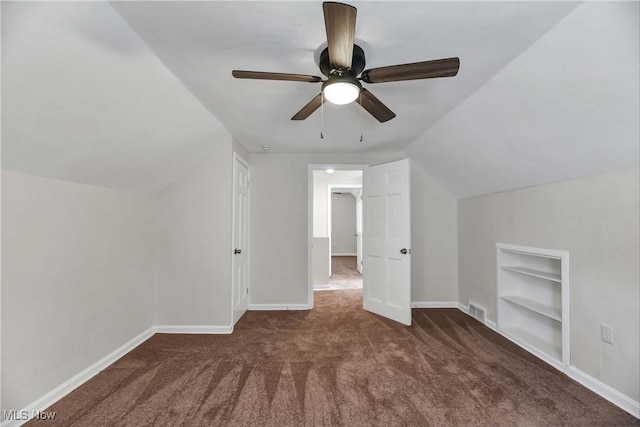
(334, 241)
(386, 235)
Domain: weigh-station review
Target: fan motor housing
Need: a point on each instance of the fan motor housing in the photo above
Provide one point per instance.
(357, 63)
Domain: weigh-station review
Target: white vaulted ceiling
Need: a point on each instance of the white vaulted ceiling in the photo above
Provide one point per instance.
(83, 99)
(130, 94)
(568, 107)
(201, 42)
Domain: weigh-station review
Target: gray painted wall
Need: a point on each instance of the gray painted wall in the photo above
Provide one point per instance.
(596, 220)
(279, 228)
(77, 279)
(434, 242)
(321, 182)
(193, 244)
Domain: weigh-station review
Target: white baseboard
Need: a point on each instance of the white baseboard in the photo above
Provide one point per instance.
(345, 254)
(193, 329)
(612, 395)
(622, 401)
(434, 304)
(77, 380)
(317, 287)
(278, 307)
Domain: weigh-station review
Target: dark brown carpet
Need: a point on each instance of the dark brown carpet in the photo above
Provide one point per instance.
(336, 365)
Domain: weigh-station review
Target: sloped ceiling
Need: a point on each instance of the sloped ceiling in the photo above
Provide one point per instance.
(567, 107)
(201, 42)
(84, 100)
(131, 94)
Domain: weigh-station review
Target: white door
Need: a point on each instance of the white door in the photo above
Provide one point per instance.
(387, 241)
(359, 230)
(240, 255)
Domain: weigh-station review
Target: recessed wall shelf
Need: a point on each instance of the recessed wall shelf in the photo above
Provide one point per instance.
(533, 300)
(534, 273)
(544, 346)
(535, 306)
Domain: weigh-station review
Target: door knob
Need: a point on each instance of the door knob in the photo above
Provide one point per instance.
(237, 251)
(403, 251)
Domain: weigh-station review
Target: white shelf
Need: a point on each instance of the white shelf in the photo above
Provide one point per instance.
(529, 309)
(535, 306)
(529, 251)
(531, 272)
(527, 338)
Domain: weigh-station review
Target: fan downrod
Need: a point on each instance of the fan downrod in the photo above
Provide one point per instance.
(357, 64)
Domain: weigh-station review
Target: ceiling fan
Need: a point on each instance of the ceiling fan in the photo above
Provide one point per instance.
(343, 62)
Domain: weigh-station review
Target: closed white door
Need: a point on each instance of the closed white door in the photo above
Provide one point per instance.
(240, 263)
(387, 241)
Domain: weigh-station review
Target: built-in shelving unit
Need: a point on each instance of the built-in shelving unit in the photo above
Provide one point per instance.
(533, 300)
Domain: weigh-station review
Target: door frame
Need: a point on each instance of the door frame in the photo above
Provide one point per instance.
(238, 158)
(310, 169)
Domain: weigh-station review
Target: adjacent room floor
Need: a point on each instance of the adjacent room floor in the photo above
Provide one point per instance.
(344, 273)
(336, 365)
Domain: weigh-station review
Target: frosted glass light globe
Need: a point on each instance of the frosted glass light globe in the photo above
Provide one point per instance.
(341, 93)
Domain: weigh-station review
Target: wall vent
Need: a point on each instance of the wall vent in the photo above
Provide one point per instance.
(477, 312)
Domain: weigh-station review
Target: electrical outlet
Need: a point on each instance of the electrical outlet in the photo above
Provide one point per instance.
(606, 333)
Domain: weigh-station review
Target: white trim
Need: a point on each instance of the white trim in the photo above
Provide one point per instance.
(612, 395)
(279, 307)
(434, 304)
(528, 250)
(619, 399)
(347, 254)
(77, 380)
(193, 329)
(533, 350)
(491, 324)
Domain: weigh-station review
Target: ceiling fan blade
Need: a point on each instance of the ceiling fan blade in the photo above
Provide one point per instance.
(340, 22)
(261, 75)
(417, 70)
(312, 106)
(374, 106)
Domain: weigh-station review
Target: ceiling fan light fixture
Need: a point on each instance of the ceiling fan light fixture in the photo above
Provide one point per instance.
(341, 90)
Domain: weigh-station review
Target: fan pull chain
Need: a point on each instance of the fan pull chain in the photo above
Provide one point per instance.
(321, 114)
(360, 95)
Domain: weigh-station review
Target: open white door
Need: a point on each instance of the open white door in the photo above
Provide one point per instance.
(240, 258)
(359, 230)
(387, 241)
